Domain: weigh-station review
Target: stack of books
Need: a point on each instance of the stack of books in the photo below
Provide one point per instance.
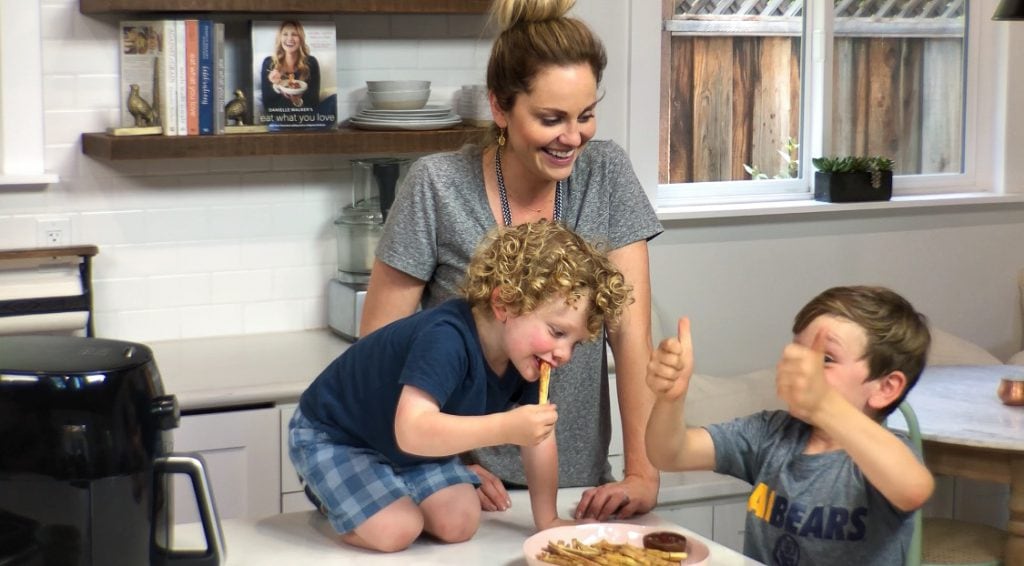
(174, 78)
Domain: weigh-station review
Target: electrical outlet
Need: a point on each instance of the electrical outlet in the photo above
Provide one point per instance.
(53, 232)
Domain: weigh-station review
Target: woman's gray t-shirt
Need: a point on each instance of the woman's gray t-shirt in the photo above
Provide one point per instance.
(439, 216)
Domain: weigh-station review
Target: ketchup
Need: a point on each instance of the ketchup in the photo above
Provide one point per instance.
(666, 541)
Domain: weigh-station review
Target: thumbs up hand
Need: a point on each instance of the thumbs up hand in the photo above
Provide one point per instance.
(671, 365)
(800, 377)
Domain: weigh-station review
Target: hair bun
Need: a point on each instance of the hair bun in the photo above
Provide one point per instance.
(509, 13)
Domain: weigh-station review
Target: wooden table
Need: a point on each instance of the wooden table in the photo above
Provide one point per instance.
(968, 432)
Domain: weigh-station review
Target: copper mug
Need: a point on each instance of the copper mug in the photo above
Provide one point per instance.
(1011, 391)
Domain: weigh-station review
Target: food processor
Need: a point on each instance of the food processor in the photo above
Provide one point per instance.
(358, 228)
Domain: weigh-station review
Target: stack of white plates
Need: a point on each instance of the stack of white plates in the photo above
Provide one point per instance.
(430, 117)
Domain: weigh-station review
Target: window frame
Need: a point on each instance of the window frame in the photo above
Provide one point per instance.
(986, 52)
(22, 157)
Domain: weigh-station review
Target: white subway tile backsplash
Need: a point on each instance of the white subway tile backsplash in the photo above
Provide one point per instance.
(66, 126)
(176, 225)
(94, 92)
(179, 290)
(113, 227)
(57, 20)
(242, 286)
(211, 320)
(140, 326)
(276, 316)
(208, 257)
(445, 54)
(112, 295)
(136, 260)
(18, 231)
(59, 91)
(299, 282)
(63, 56)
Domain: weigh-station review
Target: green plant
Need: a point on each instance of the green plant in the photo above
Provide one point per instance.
(790, 161)
(875, 165)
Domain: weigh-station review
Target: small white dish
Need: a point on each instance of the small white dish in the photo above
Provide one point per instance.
(292, 91)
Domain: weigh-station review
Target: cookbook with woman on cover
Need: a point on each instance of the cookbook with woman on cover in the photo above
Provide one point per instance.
(295, 74)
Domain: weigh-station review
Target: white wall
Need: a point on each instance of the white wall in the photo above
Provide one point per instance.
(741, 281)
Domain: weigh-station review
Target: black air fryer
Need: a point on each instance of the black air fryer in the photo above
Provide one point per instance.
(84, 453)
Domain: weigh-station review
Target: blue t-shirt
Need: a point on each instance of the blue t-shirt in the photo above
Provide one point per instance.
(436, 350)
(807, 509)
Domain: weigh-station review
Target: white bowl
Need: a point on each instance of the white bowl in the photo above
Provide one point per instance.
(399, 99)
(388, 86)
(293, 91)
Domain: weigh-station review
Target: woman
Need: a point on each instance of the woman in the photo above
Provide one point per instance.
(542, 76)
(290, 61)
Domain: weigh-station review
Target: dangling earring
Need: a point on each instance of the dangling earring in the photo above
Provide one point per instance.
(501, 137)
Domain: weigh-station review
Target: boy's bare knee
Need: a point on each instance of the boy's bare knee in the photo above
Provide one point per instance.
(457, 527)
(393, 535)
(453, 513)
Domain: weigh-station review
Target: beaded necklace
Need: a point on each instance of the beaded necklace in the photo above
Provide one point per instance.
(506, 212)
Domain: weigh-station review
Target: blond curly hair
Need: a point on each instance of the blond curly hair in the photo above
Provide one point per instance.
(530, 263)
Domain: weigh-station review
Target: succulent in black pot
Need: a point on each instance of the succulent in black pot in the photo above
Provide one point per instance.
(852, 179)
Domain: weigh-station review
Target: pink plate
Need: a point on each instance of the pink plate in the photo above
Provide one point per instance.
(616, 533)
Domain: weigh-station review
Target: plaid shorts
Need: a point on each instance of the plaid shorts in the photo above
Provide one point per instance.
(354, 483)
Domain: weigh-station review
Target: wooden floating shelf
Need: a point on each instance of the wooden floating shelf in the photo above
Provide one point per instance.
(341, 141)
(287, 6)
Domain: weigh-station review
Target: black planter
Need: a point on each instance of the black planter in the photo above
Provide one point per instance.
(854, 186)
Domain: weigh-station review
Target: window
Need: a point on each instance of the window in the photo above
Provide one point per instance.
(751, 90)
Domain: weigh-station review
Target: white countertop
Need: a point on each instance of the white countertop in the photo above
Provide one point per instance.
(959, 405)
(306, 538)
(248, 369)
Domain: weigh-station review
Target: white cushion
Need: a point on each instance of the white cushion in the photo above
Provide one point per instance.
(950, 350)
(1016, 359)
(719, 399)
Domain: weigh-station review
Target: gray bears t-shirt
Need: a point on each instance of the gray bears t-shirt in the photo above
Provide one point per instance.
(439, 216)
(807, 509)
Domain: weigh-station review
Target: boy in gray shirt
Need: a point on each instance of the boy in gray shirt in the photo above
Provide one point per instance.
(832, 485)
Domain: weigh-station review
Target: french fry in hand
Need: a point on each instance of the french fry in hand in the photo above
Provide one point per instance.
(545, 378)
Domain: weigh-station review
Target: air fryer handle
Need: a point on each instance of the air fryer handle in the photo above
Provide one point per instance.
(215, 553)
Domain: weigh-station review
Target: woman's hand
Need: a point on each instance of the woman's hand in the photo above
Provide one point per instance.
(274, 76)
(619, 500)
(492, 493)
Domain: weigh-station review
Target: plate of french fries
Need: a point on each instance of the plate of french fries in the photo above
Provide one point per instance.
(618, 544)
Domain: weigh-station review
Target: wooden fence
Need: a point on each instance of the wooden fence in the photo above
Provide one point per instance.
(734, 100)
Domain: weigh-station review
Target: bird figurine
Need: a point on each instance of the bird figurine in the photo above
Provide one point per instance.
(140, 109)
(237, 108)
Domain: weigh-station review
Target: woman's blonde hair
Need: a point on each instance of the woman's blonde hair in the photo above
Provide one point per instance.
(535, 35)
(531, 263)
(277, 58)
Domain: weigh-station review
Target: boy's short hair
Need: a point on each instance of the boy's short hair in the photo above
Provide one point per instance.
(898, 336)
(533, 262)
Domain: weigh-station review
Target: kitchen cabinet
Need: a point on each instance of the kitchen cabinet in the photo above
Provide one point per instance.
(721, 520)
(242, 452)
(340, 141)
